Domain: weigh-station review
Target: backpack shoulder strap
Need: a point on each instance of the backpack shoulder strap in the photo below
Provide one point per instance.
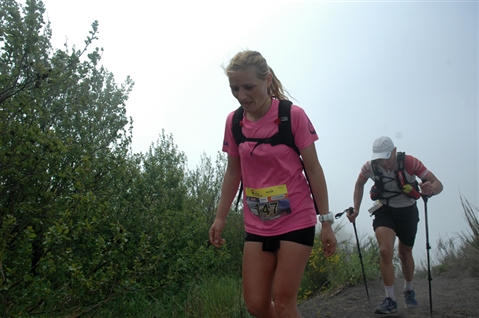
(285, 132)
(410, 189)
(376, 172)
(285, 136)
(237, 126)
(400, 159)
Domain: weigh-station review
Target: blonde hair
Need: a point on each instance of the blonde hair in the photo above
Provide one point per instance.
(252, 59)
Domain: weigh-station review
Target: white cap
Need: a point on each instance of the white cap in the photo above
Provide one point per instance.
(382, 148)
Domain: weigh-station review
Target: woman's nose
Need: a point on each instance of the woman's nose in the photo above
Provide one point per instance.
(241, 94)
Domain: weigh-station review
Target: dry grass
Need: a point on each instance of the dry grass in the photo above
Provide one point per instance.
(461, 254)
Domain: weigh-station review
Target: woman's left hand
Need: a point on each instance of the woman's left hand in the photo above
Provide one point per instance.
(328, 239)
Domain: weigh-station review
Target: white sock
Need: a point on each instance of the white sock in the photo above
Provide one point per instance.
(390, 292)
(408, 285)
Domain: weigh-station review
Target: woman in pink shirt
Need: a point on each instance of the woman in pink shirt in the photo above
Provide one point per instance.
(279, 211)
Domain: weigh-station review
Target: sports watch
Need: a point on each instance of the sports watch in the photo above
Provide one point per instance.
(326, 217)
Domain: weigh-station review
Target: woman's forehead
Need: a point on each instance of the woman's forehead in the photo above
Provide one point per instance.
(243, 76)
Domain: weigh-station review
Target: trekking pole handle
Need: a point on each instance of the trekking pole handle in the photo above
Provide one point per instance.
(424, 197)
(340, 214)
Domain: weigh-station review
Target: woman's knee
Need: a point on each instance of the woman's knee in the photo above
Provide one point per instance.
(258, 309)
(285, 303)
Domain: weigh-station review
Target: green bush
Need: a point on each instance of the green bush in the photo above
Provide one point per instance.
(342, 269)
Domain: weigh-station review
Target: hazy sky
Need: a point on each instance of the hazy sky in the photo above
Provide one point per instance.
(405, 69)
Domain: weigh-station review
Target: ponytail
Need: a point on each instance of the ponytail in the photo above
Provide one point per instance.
(276, 90)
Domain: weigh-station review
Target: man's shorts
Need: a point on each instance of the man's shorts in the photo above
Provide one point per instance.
(272, 243)
(403, 221)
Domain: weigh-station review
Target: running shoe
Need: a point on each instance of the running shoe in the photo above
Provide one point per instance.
(410, 298)
(388, 306)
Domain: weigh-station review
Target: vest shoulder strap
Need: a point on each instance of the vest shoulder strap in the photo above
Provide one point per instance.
(400, 159)
(285, 132)
(237, 126)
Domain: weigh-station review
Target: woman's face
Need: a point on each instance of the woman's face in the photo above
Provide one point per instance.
(250, 91)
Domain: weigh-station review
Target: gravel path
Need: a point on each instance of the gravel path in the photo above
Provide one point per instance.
(452, 296)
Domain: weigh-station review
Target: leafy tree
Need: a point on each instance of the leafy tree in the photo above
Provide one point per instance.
(204, 185)
(83, 221)
(62, 143)
(170, 205)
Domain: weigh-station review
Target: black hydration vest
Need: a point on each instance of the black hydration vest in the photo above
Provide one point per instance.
(409, 189)
(284, 136)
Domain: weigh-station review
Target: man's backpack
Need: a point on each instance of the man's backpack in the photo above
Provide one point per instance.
(284, 136)
(409, 189)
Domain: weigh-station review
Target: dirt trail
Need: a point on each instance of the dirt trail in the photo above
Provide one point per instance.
(453, 295)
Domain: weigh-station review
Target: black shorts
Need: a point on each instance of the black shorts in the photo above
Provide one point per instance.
(403, 221)
(271, 243)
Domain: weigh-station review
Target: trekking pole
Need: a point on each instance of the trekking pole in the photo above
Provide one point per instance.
(351, 211)
(428, 247)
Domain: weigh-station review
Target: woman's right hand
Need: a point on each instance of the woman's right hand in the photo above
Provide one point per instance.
(215, 233)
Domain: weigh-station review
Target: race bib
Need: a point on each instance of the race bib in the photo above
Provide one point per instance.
(268, 203)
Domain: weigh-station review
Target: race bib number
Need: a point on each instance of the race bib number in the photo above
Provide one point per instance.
(268, 203)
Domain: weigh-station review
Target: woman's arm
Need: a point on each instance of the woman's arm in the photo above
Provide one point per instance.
(229, 189)
(319, 189)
